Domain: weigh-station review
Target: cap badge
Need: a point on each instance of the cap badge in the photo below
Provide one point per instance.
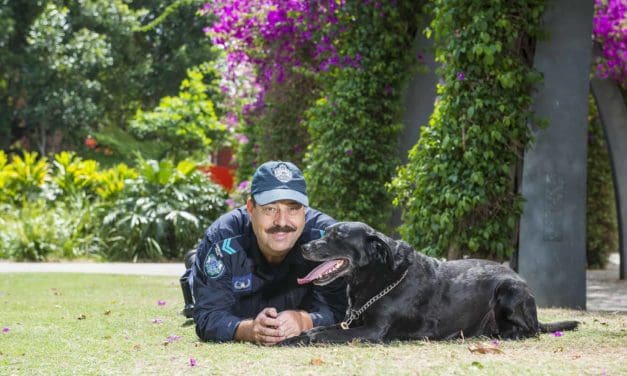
(282, 173)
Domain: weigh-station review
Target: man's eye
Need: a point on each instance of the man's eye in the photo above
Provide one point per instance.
(270, 211)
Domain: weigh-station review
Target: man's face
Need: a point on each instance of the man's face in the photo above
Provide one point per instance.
(278, 226)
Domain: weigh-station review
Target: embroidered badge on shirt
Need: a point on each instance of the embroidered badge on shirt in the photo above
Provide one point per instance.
(282, 173)
(214, 267)
(242, 283)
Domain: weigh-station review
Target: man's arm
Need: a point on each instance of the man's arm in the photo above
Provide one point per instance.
(213, 296)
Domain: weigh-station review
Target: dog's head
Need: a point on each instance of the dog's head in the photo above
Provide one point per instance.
(346, 248)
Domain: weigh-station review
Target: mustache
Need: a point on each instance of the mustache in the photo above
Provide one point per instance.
(275, 229)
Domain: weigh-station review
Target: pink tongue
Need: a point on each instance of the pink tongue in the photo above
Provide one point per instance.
(318, 272)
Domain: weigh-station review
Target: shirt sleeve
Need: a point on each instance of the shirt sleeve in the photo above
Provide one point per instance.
(214, 298)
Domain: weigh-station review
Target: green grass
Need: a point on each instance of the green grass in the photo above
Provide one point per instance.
(103, 325)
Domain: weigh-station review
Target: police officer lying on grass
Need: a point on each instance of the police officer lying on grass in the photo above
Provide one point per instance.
(244, 275)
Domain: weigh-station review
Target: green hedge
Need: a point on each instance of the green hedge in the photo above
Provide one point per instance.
(457, 189)
(355, 127)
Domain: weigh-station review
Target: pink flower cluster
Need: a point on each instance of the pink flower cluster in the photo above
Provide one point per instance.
(276, 35)
(610, 30)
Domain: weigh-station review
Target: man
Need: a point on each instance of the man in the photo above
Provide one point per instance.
(244, 275)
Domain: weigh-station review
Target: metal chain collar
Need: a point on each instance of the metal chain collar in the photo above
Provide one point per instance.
(352, 314)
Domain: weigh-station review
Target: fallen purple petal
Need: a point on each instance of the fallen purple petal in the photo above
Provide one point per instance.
(161, 302)
(557, 334)
(192, 362)
(157, 321)
(5, 329)
(172, 338)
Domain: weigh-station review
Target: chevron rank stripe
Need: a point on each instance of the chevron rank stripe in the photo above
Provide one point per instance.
(226, 247)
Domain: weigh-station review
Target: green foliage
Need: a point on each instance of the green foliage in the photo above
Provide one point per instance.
(277, 130)
(22, 179)
(116, 145)
(354, 128)
(77, 209)
(601, 224)
(186, 123)
(74, 176)
(37, 231)
(70, 67)
(457, 189)
(161, 213)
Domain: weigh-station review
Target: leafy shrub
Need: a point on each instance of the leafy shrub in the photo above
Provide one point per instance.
(160, 214)
(73, 175)
(186, 123)
(37, 232)
(355, 127)
(457, 189)
(23, 179)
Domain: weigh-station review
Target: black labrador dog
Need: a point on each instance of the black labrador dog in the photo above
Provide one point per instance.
(396, 293)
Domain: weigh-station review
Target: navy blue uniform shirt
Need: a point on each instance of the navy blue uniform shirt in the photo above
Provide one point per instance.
(232, 281)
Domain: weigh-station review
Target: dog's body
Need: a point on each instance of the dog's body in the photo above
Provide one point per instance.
(397, 293)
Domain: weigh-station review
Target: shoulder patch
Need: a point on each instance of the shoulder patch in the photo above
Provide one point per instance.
(242, 283)
(214, 267)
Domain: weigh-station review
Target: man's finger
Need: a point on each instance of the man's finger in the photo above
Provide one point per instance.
(266, 321)
(270, 312)
(269, 332)
(268, 341)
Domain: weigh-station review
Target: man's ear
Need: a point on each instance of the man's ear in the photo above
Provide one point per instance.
(249, 206)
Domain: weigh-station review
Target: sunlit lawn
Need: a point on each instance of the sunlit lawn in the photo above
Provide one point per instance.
(109, 324)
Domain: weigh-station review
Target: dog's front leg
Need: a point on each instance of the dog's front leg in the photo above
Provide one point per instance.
(335, 334)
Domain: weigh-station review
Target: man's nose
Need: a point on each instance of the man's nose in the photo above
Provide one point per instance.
(281, 217)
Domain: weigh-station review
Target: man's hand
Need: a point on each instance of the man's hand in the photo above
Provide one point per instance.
(292, 323)
(263, 330)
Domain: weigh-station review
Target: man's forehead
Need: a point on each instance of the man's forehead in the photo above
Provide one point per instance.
(284, 202)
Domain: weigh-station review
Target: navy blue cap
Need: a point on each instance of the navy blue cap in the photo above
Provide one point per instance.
(278, 180)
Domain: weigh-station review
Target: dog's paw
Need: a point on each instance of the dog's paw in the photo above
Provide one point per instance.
(300, 340)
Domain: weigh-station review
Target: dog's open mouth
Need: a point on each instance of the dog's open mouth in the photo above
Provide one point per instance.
(325, 272)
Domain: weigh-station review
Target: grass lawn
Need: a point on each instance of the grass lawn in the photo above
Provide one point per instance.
(118, 325)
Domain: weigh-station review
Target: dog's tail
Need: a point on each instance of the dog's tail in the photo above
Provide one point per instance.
(558, 326)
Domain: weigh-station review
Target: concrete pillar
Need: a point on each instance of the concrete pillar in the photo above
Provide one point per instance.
(419, 101)
(420, 96)
(552, 244)
(613, 114)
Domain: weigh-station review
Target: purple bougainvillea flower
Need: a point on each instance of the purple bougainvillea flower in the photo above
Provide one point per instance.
(557, 334)
(161, 302)
(349, 152)
(231, 203)
(5, 329)
(172, 338)
(192, 362)
(461, 76)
